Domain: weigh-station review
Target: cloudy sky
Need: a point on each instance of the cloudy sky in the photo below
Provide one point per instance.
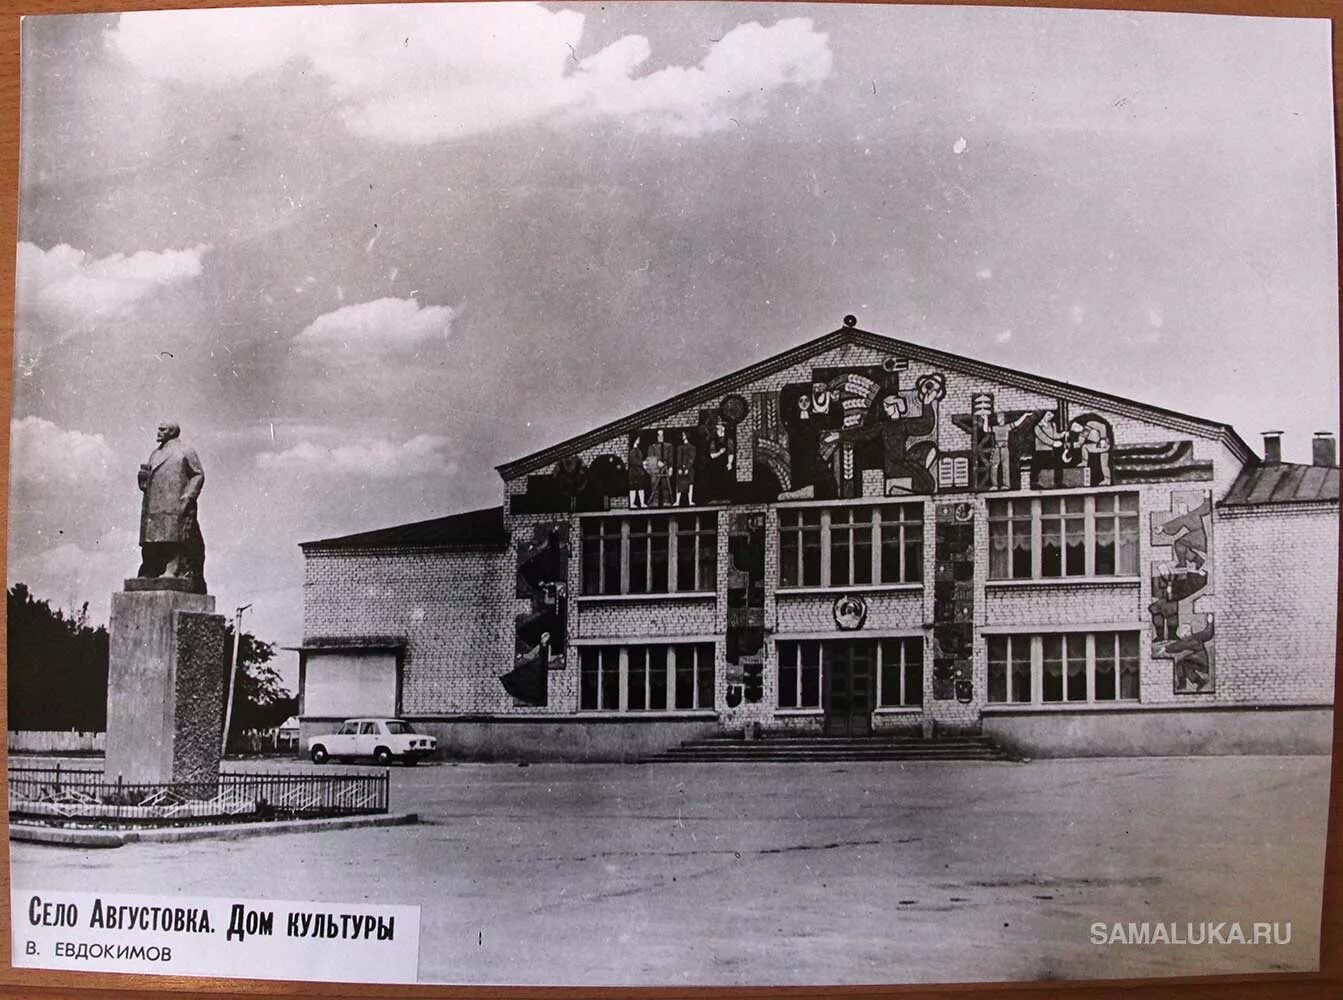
(363, 255)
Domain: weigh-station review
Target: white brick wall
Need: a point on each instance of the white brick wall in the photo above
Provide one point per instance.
(456, 610)
(1276, 627)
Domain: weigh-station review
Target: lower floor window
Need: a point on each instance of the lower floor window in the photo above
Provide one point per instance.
(1010, 668)
(900, 681)
(1115, 666)
(655, 677)
(799, 674)
(1063, 667)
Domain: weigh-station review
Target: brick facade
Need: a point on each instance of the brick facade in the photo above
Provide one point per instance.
(454, 611)
(1281, 622)
(455, 605)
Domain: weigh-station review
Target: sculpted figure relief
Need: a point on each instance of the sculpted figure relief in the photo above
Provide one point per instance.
(171, 480)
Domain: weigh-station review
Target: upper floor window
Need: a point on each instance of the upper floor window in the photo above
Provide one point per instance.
(851, 546)
(1063, 536)
(650, 554)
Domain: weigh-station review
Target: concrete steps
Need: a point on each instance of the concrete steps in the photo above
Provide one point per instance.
(830, 749)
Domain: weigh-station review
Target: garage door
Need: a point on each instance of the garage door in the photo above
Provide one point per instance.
(345, 684)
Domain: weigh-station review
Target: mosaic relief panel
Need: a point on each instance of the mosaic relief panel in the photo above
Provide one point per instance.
(745, 639)
(685, 466)
(858, 431)
(659, 468)
(1055, 449)
(954, 602)
(1182, 591)
(541, 633)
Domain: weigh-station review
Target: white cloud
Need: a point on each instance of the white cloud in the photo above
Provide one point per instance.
(1078, 313)
(1155, 319)
(749, 61)
(417, 74)
(66, 288)
(958, 147)
(70, 574)
(984, 273)
(41, 452)
(381, 326)
(1003, 336)
(373, 457)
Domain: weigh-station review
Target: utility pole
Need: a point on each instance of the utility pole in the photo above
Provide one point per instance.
(232, 676)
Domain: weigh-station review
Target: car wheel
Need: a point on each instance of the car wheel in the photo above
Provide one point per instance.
(383, 756)
(319, 755)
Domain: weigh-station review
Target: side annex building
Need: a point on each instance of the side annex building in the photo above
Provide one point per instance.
(857, 535)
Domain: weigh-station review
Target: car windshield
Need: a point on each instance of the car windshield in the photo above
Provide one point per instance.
(397, 727)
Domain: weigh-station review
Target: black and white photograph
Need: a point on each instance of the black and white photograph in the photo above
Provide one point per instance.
(672, 494)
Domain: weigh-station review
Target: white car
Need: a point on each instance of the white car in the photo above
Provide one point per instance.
(384, 740)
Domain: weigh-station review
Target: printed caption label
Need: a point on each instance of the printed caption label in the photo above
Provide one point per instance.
(252, 939)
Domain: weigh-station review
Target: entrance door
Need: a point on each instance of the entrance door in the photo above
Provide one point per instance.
(850, 672)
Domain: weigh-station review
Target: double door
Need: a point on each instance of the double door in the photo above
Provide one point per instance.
(849, 695)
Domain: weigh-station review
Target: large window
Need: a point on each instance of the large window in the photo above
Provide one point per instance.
(1063, 536)
(599, 678)
(1010, 668)
(1063, 667)
(650, 554)
(851, 546)
(655, 677)
(802, 667)
(1115, 666)
(799, 674)
(900, 677)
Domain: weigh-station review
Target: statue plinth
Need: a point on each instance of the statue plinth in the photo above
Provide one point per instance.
(175, 583)
(165, 686)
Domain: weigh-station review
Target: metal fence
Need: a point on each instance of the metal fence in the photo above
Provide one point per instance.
(56, 794)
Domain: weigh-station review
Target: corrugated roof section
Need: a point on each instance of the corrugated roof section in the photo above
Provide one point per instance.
(1283, 482)
(473, 529)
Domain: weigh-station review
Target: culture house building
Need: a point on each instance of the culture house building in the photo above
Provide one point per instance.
(860, 536)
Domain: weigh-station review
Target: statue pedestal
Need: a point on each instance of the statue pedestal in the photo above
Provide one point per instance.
(167, 667)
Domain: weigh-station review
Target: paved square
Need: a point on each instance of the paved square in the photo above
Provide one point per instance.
(784, 874)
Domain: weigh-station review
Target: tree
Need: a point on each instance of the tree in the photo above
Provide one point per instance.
(57, 666)
(260, 700)
(58, 672)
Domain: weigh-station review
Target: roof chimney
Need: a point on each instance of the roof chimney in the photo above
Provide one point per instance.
(1324, 449)
(1273, 446)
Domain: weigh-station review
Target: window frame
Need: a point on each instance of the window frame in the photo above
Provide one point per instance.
(628, 661)
(1059, 516)
(911, 651)
(657, 540)
(1075, 646)
(596, 661)
(800, 667)
(889, 529)
(1012, 647)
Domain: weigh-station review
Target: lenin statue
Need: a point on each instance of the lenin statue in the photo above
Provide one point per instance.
(170, 537)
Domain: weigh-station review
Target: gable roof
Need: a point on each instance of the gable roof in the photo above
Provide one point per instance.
(847, 335)
(1283, 482)
(473, 529)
